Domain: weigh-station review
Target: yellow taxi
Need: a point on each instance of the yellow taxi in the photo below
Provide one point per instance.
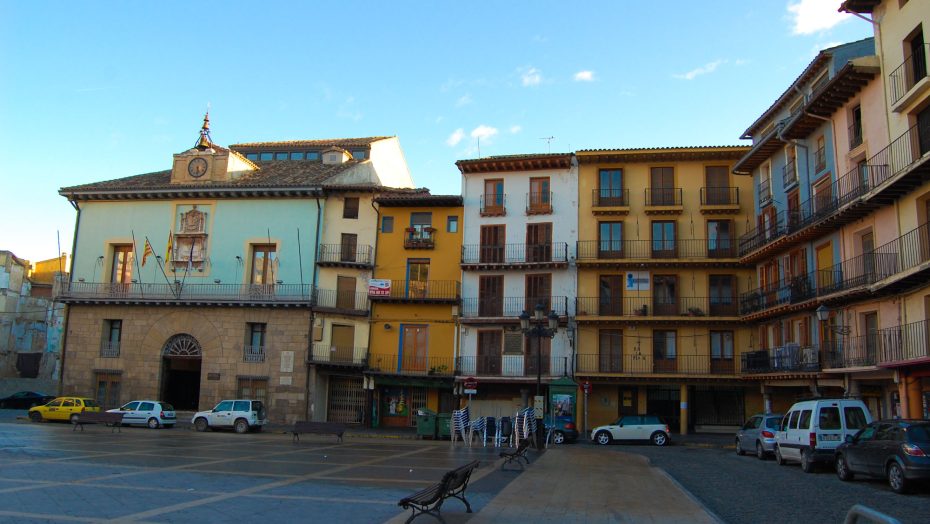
(63, 408)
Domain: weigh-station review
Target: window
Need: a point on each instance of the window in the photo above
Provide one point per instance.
(792, 419)
(112, 333)
(665, 295)
(829, 418)
(722, 293)
(662, 186)
(452, 224)
(254, 388)
(348, 247)
(264, 264)
(540, 198)
(610, 295)
(121, 269)
(350, 207)
(252, 156)
(387, 224)
(492, 244)
(493, 198)
(417, 277)
(313, 155)
(254, 350)
(537, 356)
(663, 344)
(421, 228)
(610, 240)
(266, 156)
(489, 353)
(855, 127)
(610, 188)
(765, 184)
(345, 292)
(719, 239)
(108, 388)
(820, 155)
(823, 196)
(663, 239)
(819, 82)
(855, 417)
(716, 182)
(539, 242)
(790, 172)
(538, 291)
(805, 421)
(721, 344)
(610, 350)
(280, 156)
(360, 154)
(490, 296)
(297, 156)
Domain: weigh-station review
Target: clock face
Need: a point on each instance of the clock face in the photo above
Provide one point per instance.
(197, 167)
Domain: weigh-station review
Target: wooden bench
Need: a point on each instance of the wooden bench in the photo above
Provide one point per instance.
(517, 454)
(429, 501)
(90, 417)
(318, 428)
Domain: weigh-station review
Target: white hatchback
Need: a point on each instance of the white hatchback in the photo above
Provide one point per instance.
(633, 427)
(151, 413)
(241, 415)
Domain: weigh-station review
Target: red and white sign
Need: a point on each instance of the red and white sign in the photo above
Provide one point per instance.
(378, 287)
(470, 386)
(586, 387)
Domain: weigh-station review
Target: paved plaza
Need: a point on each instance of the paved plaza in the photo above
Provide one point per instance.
(49, 473)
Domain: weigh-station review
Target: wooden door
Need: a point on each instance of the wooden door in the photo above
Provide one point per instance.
(825, 277)
(348, 247)
(345, 292)
(539, 242)
(489, 353)
(716, 182)
(414, 348)
(342, 344)
(490, 296)
(492, 244)
(665, 295)
(610, 295)
(536, 360)
(662, 186)
(610, 350)
(538, 291)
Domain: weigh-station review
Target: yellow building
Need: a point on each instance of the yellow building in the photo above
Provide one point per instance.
(658, 281)
(415, 296)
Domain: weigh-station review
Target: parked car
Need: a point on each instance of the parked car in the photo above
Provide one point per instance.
(898, 450)
(151, 413)
(758, 435)
(633, 427)
(25, 400)
(63, 408)
(563, 432)
(813, 429)
(241, 415)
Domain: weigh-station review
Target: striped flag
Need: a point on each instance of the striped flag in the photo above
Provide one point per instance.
(147, 251)
(168, 251)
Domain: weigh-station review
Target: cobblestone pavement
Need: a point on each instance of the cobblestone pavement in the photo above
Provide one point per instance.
(745, 489)
(50, 474)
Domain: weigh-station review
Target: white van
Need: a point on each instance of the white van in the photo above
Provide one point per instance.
(813, 429)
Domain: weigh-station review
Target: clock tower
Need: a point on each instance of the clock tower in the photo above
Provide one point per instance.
(207, 163)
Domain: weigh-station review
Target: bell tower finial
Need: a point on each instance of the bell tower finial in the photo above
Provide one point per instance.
(205, 142)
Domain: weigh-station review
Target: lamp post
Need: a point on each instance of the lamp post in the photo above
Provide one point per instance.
(539, 325)
(823, 315)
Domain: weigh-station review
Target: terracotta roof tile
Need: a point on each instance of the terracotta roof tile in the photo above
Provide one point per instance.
(326, 142)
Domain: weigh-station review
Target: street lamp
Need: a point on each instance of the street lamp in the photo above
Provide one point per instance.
(823, 315)
(542, 325)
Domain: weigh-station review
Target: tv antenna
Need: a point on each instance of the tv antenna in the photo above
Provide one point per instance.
(548, 140)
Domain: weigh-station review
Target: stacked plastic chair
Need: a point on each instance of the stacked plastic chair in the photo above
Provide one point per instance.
(460, 424)
(479, 427)
(504, 431)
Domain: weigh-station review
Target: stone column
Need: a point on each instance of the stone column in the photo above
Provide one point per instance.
(766, 399)
(914, 402)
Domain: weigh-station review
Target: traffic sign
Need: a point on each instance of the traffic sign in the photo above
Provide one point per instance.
(586, 386)
(470, 385)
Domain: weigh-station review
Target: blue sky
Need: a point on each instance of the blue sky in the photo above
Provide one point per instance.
(92, 91)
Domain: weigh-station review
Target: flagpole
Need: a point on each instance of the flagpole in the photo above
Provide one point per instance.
(159, 264)
(135, 255)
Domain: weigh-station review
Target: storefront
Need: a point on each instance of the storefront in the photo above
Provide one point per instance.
(396, 400)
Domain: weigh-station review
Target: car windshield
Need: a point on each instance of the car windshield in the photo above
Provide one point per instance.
(919, 433)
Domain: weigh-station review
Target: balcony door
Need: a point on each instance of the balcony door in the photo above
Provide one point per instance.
(540, 196)
(489, 353)
(610, 295)
(121, 268)
(345, 292)
(538, 291)
(539, 242)
(923, 129)
(825, 277)
(494, 196)
(662, 180)
(348, 247)
(665, 295)
(716, 182)
(417, 277)
(492, 244)
(610, 240)
(610, 350)
(414, 347)
(722, 295)
(719, 239)
(610, 188)
(342, 343)
(491, 296)
(663, 239)
(536, 360)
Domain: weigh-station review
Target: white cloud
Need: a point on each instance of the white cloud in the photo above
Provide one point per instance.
(515, 129)
(742, 61)
(584, 76)
(814, 16)
(703, 70)
(463, 100)
(483, 132)
(455, 137)
(530, 76)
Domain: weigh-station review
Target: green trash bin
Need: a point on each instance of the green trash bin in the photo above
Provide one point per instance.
(444, 425)
(426, 424)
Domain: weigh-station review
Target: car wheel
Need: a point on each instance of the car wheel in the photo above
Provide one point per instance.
(153, 423)
(35, 416)
(807, 464)
(241, 425)
(896, 479)
(602, 438)
(201, 424)
(739, 448)
(780, 460)
(558, 437)
(74, 418)
(842, 469)
(760, 451)
(659, 438)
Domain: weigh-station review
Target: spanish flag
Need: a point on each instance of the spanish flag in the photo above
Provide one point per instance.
(147, 251)
(168, 251)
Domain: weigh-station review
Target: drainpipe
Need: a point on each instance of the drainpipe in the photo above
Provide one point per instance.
(64, 334)
(369, 397)
(316, 275)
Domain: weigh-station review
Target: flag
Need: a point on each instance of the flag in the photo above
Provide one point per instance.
(168, 251)
(190, 258)
(147, 251)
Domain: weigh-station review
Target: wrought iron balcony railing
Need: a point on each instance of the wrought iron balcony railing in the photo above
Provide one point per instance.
(422, 291)
(852, 352)
(789, 174)
(109, 349)
(493, 204)
(253, 353)
(694, 248)
(188, 292)
(338, 355)
(783, 359)
(510, 307)
(342, 300)
(420, 238)
(514, 365)
(392, 364)
(503, 254)
(539, 203)
(855, 135)
(663, 196)
(345, 254)
(765, 192)
(719, 196)
(903, 344)
(633, 363)
(654, 306)
(906, 75)
(820, 159)
(610, 197)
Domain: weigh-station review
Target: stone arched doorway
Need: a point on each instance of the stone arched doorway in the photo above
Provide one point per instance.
(181, 358)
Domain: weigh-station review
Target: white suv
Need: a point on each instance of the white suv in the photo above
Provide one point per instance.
(813, 429)
(241, 415)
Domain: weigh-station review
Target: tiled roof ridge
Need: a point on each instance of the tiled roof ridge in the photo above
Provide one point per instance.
(314, 142)
(662, 148)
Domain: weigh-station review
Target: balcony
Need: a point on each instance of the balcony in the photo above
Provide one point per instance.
(510, 307)
(820, 159)
(515, 256)
(697, 251)
(719, 200)
(610, 201)
(493, 205)
(789, 174)
(344, 302)
(635, 363)
(765, 192)
(906, 76)
(514, 366)
(109, 349)
(855, 135)
(422, 291)
(663, 200)
(903, 345)
(338, 356)
(790, 358)
(345, 255)
(392, 364)
(649, 307)
(539, 203)
(181, 293)
(794, 291)
(253, 353)
(852, 352)
(419, 238)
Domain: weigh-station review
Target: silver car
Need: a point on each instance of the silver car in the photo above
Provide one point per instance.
(151, 413)
(758, 435)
